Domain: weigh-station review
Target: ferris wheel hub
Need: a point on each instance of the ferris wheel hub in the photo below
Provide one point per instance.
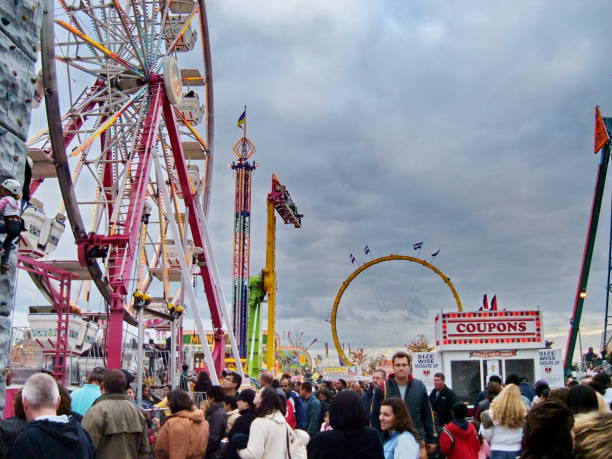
(173, 82)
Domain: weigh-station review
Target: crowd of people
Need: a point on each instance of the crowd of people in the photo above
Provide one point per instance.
(391, 417)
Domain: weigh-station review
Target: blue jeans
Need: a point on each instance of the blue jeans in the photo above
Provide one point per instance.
(497, 454)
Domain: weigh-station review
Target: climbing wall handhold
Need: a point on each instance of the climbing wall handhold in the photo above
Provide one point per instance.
(20, 122)
(5, 21)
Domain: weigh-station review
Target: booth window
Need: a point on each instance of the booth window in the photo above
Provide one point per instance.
(466, 379)
(523, 368)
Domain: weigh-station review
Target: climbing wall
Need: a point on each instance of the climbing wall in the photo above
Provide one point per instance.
(20, 22)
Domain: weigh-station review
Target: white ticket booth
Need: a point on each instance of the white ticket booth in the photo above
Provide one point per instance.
(472, 346)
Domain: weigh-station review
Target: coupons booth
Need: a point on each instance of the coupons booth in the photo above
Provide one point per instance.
(472, 346)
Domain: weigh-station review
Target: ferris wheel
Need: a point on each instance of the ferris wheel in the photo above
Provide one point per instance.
(129, 137)
(362, 268)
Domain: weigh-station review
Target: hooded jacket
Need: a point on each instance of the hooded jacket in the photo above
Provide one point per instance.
(362, 443)
(49, 439)
(184, 435)
(267, 439)
(9, 431)
(117, 428)
(459, 440)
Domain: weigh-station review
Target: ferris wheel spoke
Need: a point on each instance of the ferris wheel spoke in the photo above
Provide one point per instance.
(99, 46)
(111, 120)
(114, 36)
(70, 12)
(128, 32)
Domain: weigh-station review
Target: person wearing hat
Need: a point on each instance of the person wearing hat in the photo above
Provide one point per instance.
(10, 224)
(238, 435)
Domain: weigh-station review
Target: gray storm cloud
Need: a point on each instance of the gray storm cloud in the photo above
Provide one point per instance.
(467, 125)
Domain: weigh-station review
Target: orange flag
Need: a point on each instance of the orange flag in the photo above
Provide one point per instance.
(601, 133)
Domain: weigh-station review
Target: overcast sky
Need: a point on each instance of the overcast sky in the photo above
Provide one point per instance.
(465, 125)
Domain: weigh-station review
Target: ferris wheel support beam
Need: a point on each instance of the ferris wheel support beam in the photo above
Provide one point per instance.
(185, 273)
(197, 225)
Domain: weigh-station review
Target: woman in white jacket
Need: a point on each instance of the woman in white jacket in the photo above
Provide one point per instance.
(269, 430)
(502, 427)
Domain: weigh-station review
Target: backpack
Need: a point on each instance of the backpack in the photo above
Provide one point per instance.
(296, 443)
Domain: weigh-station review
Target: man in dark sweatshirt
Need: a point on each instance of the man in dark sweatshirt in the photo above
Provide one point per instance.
(47, 435)
(442, 399)
(414, 394)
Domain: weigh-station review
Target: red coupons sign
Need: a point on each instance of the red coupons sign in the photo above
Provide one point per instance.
(489, 327)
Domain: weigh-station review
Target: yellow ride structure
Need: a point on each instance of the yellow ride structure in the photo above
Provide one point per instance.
(354, 274)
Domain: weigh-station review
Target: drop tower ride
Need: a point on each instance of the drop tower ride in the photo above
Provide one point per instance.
(243, 169)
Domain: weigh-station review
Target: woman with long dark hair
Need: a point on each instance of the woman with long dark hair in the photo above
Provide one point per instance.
(547, 433)
(203, 383)
(269, 434)
(399, 435)
(350, 436)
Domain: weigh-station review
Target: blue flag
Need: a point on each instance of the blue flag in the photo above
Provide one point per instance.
(417, 246)
(242, 120)
(366, 249)
(352, 258)
(435, 253)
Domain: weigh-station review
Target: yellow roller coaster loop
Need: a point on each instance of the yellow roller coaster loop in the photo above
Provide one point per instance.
(367, 265)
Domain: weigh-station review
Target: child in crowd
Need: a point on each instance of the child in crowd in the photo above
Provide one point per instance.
(10, 224)
(459, 438)
(325, 425)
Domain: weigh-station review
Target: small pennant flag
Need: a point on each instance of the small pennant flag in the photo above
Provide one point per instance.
(494, 303)
(417, 246)
(601, 133)
(366, 249)
(242, 120)
(327, 350)
(485, 303)
(352, 258)
(435, 254)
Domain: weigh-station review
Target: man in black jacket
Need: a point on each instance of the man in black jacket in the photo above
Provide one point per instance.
(47, 435)
(442, 399)
(414, 394)
(217, 420)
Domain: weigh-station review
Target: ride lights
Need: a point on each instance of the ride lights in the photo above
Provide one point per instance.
(141, 299)
(170, 306)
